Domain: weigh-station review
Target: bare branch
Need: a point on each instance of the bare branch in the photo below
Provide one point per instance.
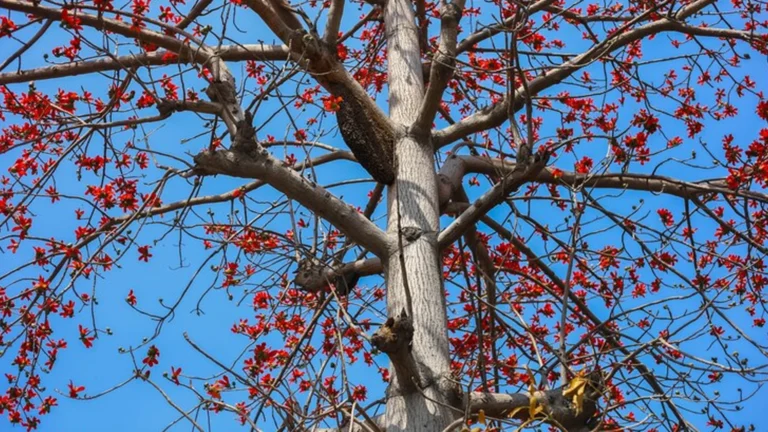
(27, 45)
(507, 184)
(639, 182)
(193, 13)
(442, 64)
(554, 406)
(263, 166)
(258, 52)
(334, 22)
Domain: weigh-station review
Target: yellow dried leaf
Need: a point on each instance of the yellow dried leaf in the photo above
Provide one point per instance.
(531, 380)
(516, 411)
(481, 417)
(576, 390)
(533, 406)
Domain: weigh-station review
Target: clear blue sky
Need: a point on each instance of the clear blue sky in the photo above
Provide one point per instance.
(137, 407)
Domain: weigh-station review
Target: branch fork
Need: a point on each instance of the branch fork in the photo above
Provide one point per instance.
(248, 159)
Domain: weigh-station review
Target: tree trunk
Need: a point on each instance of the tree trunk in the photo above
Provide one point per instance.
(413, 198)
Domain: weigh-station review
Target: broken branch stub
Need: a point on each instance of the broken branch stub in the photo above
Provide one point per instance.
(315, 276)
(394, 338)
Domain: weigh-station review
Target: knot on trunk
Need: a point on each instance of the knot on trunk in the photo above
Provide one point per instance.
(411, 233)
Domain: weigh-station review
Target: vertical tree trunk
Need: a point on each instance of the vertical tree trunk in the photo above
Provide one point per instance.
(413, 197)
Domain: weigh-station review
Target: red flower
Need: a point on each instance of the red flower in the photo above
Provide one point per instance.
(215, 389)
(171, 89)
(131, 298)
(41, 285)
(87, 340)
(51, 191)
(74, 391)
(300, 135)
(45, 406)
(152, 354)
(68, 310)
(359, 393)
(666, 217)
(584, 165)
(331, 103)
(762, 110)
(341, 52)
(175, 374)
(6, 27)
(71, 21)
(144, 253)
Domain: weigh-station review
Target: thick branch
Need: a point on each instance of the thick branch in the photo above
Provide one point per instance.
(260, 164)
(584, 19)
(748, 36)
(366, 129)
(639, 182)
(334, 22)
(555, 407)
(193, 13)
(167, 106)
(250, 187)
(442, 64)
(286, 14)
(508, 183)
(157, 58)
(101, 23)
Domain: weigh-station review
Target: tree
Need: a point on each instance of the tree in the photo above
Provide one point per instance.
(573, 235)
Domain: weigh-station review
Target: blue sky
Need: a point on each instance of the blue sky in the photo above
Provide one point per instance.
(137, 406)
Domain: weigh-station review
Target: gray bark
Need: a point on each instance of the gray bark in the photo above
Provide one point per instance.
(412, 199)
